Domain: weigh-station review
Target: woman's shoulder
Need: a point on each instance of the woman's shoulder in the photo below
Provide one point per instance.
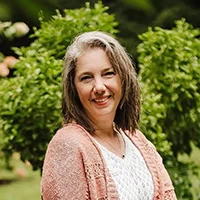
(141, 141)
(137, 135)
(71, 135)
(71, 131)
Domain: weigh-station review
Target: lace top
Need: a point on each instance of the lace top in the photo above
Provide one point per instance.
(131, 175)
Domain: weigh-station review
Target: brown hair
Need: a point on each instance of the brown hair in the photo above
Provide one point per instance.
(128, 111)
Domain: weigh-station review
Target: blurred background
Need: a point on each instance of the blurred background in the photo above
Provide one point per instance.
(133, 17)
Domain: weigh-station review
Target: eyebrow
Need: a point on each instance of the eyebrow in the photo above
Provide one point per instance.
(107, 69)
(104, 70)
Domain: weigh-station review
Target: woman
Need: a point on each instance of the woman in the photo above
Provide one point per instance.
(99, 153)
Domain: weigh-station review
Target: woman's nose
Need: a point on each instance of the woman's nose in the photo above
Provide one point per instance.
(99, 86)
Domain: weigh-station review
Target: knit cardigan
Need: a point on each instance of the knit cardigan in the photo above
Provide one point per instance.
(74, 168)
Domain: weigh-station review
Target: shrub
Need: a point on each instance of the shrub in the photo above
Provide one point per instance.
(31, 100)
(169, 62)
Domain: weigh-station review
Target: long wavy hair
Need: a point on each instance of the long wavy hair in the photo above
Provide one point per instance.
(128, 111)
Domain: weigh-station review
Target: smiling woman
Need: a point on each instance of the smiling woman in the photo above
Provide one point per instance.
(99, 153)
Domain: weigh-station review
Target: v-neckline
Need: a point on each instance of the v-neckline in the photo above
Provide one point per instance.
(102, 147)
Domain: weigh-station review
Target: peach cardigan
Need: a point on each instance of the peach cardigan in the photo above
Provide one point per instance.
(74, 168)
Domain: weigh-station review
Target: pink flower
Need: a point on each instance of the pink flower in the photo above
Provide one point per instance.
(4, 70)
(10, 61)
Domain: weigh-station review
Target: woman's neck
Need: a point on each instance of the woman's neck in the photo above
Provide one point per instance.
(103, 125)
(104, 129)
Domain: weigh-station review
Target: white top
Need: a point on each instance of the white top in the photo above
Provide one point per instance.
(130, 174)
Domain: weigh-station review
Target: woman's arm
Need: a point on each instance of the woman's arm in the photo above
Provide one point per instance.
(63, 175)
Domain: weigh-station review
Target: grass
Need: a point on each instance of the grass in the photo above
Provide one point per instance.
(21, 183)
(26, 188)
(195, 156)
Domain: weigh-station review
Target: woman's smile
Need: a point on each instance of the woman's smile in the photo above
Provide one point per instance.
(102, 101)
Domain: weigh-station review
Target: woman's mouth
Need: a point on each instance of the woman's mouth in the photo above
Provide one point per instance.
(101, 100)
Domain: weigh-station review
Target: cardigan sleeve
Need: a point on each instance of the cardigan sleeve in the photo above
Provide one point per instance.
(63, 174)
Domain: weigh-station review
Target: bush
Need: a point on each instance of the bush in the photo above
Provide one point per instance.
(169, 75)
(31, 100)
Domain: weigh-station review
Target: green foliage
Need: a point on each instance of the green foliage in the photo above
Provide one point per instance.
(1, 57)
(31, 100)
(145, 5)
(170, 66)
(169, 62)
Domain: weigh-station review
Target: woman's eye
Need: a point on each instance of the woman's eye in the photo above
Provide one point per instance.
(84, 78)
(109, 74)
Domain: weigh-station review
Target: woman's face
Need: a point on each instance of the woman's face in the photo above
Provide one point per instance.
(98, 85)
